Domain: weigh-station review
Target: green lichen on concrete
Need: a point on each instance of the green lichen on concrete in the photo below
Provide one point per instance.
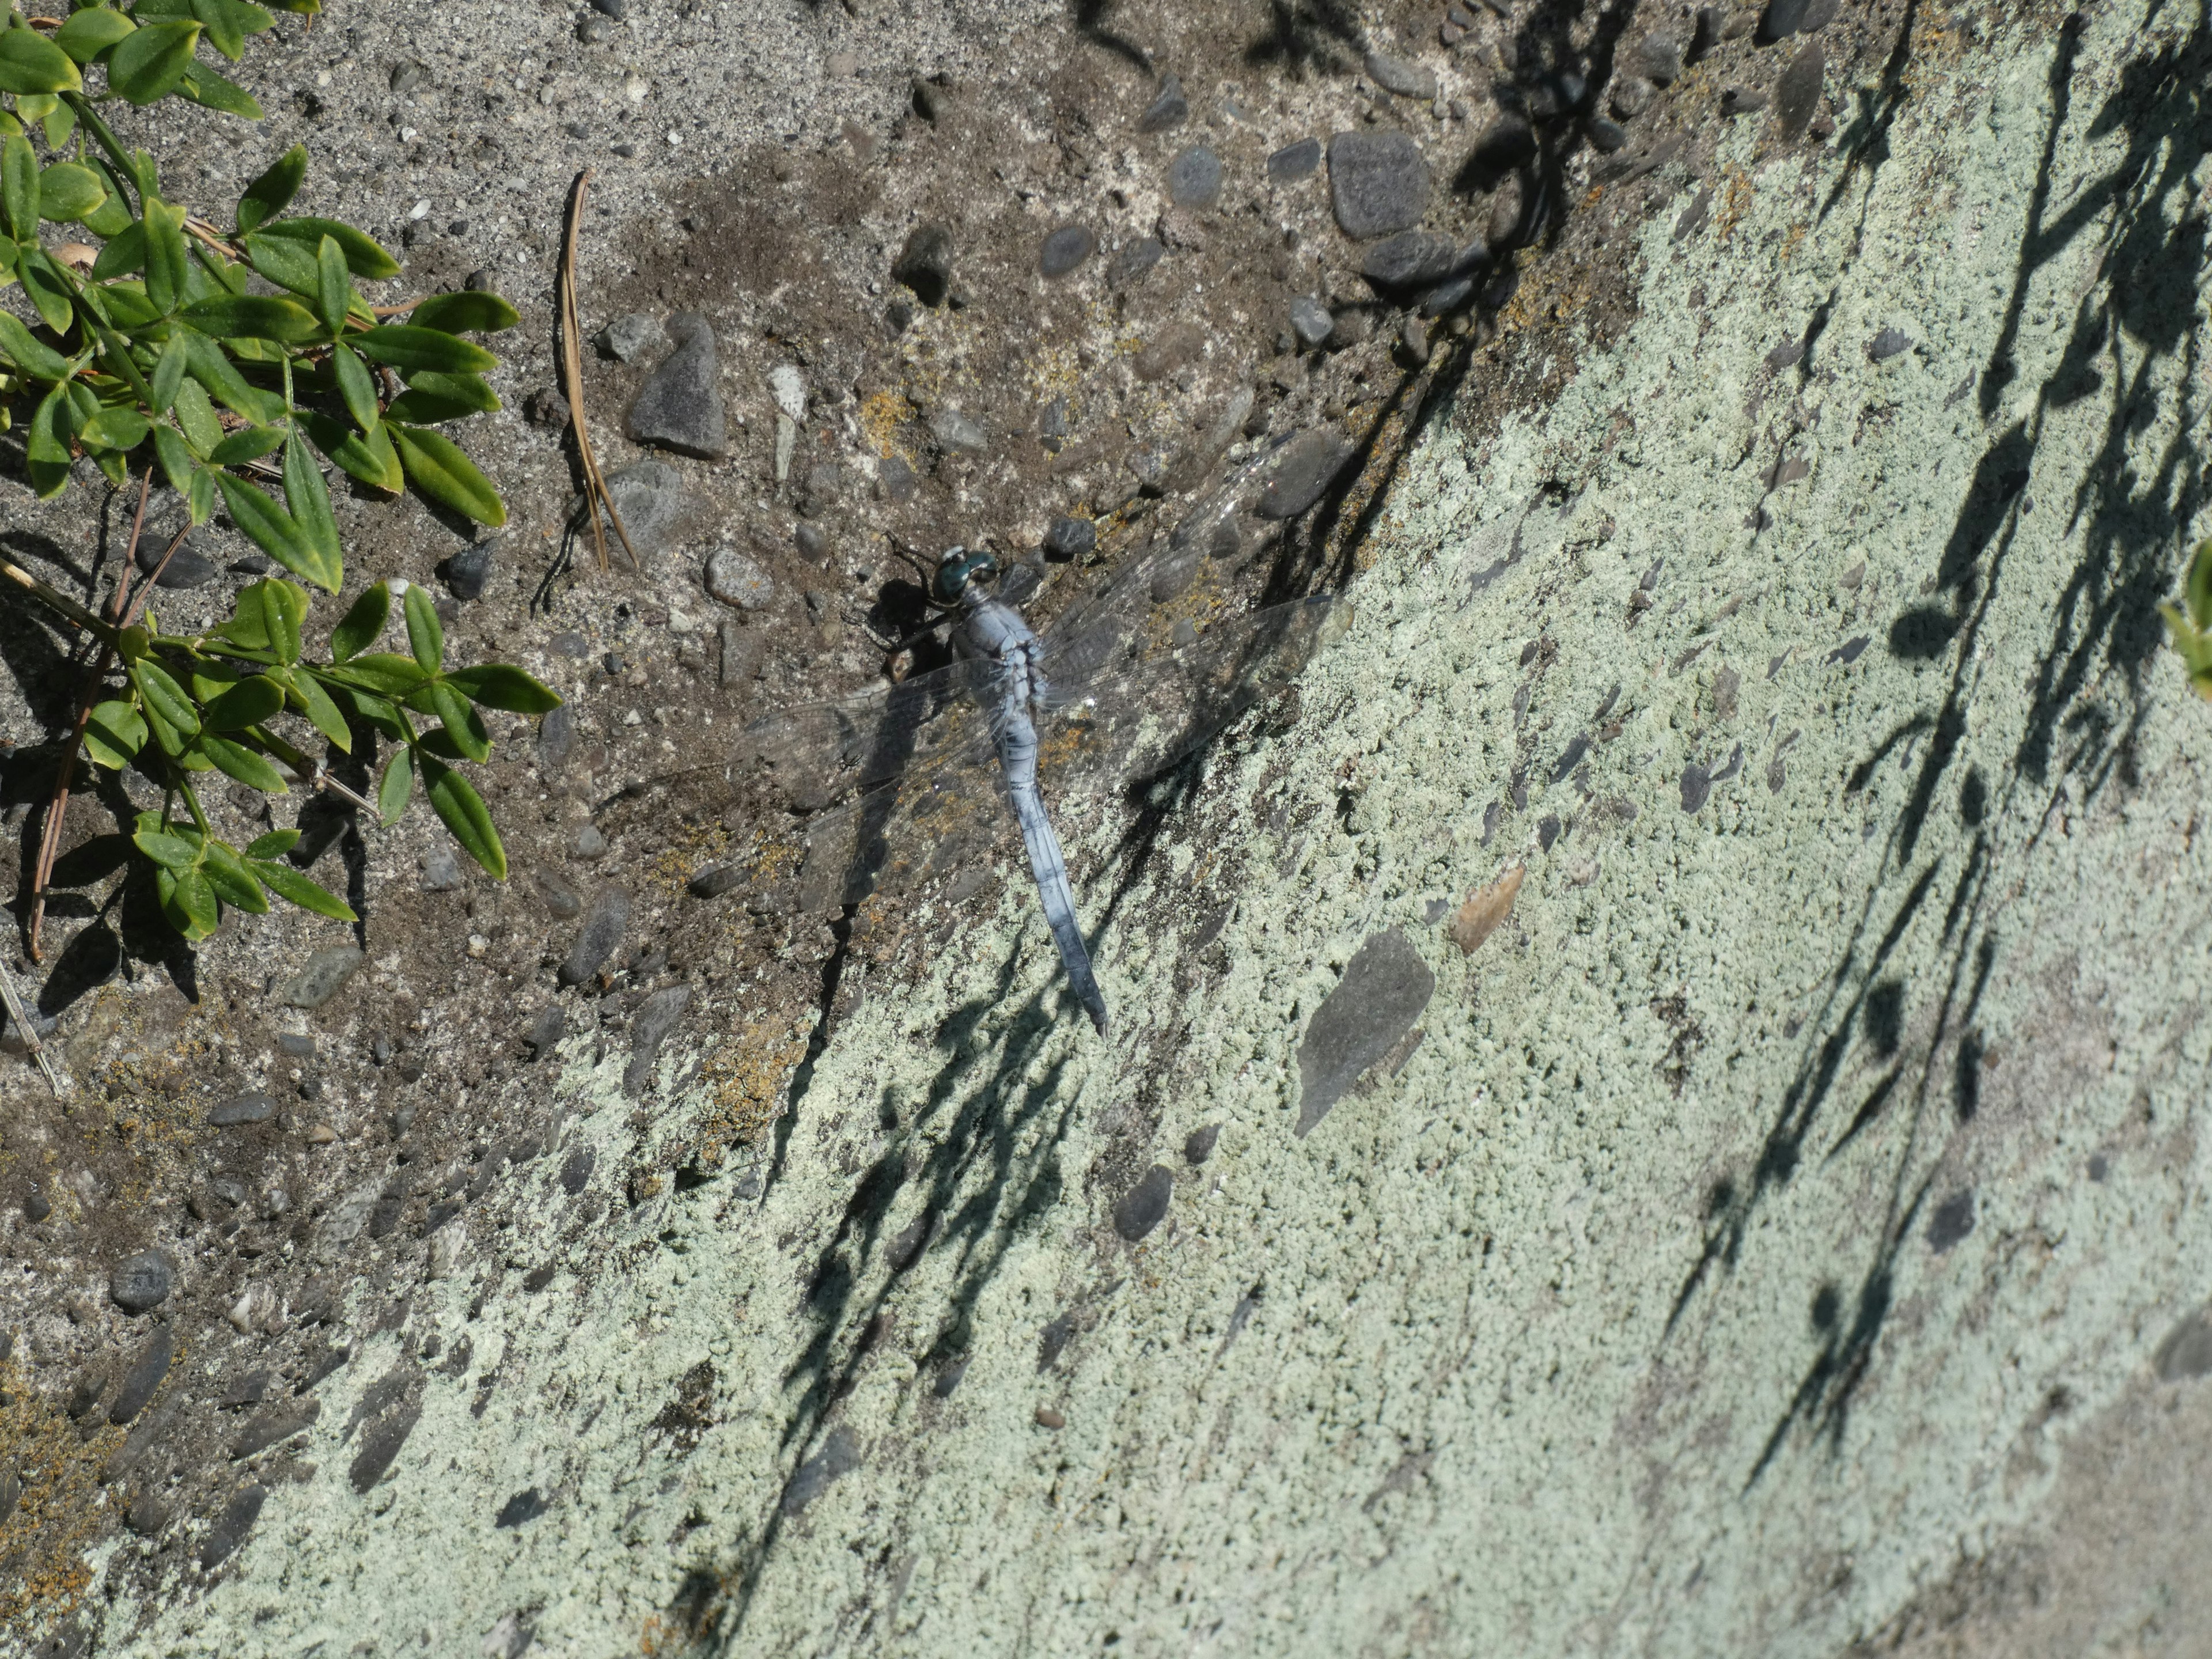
(1726, 1258)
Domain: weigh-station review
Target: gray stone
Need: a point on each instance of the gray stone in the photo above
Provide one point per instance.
(576, 1169)
(680, 405)
(1135, 260)
(1378, 183)
(1797, 90)
(812, 543)
(144, 1376)
(1194, 178)
(742, 654)
(1294, 162)
(1411, 259)
(149, 1513)
(190, 566)
(631, 337)
(266, 1427)
(468, 570)
(1606, 134)
(1385, 987)
(11, 1034)
(1658, 58)
(1069, 539)
(405, 77)
(587, 842)
(546, 407)
(925, 264)
(556, 738)
(1888, 343)
(656, 1017)
(737, 580)
(1145, 1206)
(1742, 100)
(547, 1029)
(242, 1108)
(1309, 319)
(1784, 18)
(1168, 108)
(894, 480)
(141, 1281)
(326, 971)
(2186, 1352)
(525, 1506)
(1395, 74)
(617, 10)
(441, 871)
(1447, 296)
(231, 1528)
(1632, 96)
(380, 1444)
(1065, 249)
(955, 431)
(1308, 464)
(1198, 1146)
(1953, 1221)
(604, 924)
(652, 501)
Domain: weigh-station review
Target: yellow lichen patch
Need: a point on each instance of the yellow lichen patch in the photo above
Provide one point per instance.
(744, 1080)
(1735, 202)
(700, 845)
(882, 414)
(60, 1514)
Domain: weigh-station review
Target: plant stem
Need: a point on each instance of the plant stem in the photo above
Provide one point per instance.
(572, 377)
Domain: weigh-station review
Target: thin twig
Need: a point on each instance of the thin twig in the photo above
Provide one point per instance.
(596, 494)
(21, 1016)
(50, 838)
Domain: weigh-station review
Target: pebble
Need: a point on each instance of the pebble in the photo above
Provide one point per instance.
(1198, 1146)
(1294, 162)
(1632, 96)
(1785, 18)
(1194, 178)
(925, 264)
(737, 580)
(1048, 1417)
(468, 570)
(1411, 259)
(811, 541)
(405, 77)
(1704, 37)
(630, 337)
(955, 431)
(1797, 92)
(1168, 108)
(272, 1424)
(148, 1514)
(1742, 100)
(1309, 464)
(1135, 260)
(242, 1108)
(715, 882)
(576, 1169)
(1394, 74)
(441, 871)
(37, 1207)
(1447, 296)
(1385, 987)
(1145, 1206)
(1378, 183)
(11, 1034)
(141, 1281)
(144, 1376)
(1065, 249)
(617, 10)
(680, 405)
(1658, 58)
(300, 1045)
(525, 1506)
(653, 502)
(231, 1527)
(1309, 319)
(1606, 134)
(603, 930)
(894, 480)
(546, 1030)
(656, 1017)
(588, 843)
(556, 738)
(189, 567)
(1888, 343)
(1413, 336)
(327, 970)
(1069, 539)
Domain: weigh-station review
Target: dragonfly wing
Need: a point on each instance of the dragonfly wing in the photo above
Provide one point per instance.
(892, 839)
(815, 752)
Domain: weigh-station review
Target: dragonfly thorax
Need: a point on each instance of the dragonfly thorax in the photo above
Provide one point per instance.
(957, 574)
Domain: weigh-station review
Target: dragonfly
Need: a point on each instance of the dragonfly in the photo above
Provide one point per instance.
(911, 781)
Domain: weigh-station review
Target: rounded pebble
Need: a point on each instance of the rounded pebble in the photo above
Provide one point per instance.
(1065, 249)
(1069, 539)
(468, 570)
(242, 1108)
(141, 1281)
(1294, 162)
(735, 580)
(1135, 260)
(1378, 183)
(1606, 134)
(1194, 178)
(1309, 319)
(1169, 108)
(1145, 1206)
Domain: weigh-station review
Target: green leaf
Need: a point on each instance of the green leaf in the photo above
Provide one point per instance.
(227, 874)
(405, 347)
(309, 499)
(175, 457)
(398, 783)
(272, 192)
(68, 191)
(169, 373)
(170, 852)
(426, 635)
(47, 288)
(167, 262)
(367, 456)
(461, 721)
(469, 311)
(256, 316)
(27, 352)
(196, 415)
(357, 385)
(334, 295)
(57, 125)
(274, 845)
(284, 262)
(163, 697)
(457, 803)
(2198, 590)
(188, 901)
(203, 86)
(247, 444)
(273, 531)
(236, 760)
(19, 183)
(290, 886)
(274, 610)
(92, 32)
(499, 685)
(249, 702)
(437, 467)
(117, 427)
(472, 392)
(125, 251)
(31, 63)
(363, 257)
(114, 734)
(224, 30)
(215, 371)
(200, 498)
(358, 628)
(384, 672)
(148, 64)
(322, 713)
(45, 446)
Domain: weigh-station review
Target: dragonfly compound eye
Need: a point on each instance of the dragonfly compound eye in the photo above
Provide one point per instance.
(956, 570)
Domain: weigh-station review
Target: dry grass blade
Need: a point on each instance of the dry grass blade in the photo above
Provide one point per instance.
(596, 498)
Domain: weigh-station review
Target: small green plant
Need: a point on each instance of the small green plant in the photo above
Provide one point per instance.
(225, 360)
(2192, 628)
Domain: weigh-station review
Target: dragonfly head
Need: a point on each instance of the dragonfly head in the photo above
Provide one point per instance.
(954, 572)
